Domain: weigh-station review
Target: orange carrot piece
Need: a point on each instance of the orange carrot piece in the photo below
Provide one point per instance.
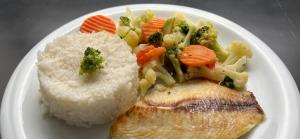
(145, 50)
(198, 56)
(98, 23)
(155, 25)
(149, 53)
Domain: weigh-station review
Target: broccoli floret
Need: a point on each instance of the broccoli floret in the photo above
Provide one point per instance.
(171, 54)
(206, 35)
(124, 21)
(91, 62)
(187, 38)
(239, 78)
(228, 82)
(180, 18)
(156, 38)
(197, 35)
(220, 51)
(184, 27)
(173, 51)
(219, 73)
(237, 50)
(234, 64)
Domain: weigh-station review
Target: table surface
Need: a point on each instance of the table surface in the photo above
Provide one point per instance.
(24, 23)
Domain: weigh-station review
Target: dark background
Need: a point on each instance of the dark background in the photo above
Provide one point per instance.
(24, 23)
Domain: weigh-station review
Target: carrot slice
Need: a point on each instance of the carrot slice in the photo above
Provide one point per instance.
(154, 25)
(98, 23)
(198, 56)
(145, 50)
(149, 53)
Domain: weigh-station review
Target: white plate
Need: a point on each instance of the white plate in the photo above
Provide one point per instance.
(269, 79)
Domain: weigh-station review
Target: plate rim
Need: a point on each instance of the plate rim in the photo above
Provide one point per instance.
(8, 120)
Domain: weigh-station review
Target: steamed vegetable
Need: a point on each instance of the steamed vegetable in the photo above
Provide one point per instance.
(187, 38)
(172, 40)
(168, 26)
(128, 33)
(220, 51)
(184, 27)
(220, 72)
(123, 31)
(150, 76)
(238, 65)
(151, 72)
(156, 39)
(144, 18)
(198, 56)
(206, 35)
(228, 82)
(179, 18)
(92, 61)
(130, 27)
(230, 73)
(151, 27)
(144, 85)
(148, 81)
(172, 55)
(161, 73)
(196, 37)
(239, 78)
(98, 23)
(149, 53)
(124, 21)
(237, 50)
(185, 50)
(132, 38)
(215, 74)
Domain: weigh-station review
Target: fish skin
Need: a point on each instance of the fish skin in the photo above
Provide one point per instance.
(193, 110)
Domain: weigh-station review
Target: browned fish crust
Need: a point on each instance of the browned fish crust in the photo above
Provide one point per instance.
(210, 104)
(202, 110)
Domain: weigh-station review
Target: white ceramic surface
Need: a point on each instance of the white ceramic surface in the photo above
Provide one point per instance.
(269, 79)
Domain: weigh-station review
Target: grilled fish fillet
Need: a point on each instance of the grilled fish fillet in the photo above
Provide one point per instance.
(192, 110)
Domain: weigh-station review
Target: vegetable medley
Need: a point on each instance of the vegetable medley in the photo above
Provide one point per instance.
(176, 49)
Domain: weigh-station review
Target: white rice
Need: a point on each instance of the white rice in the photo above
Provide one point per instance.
(83, 101)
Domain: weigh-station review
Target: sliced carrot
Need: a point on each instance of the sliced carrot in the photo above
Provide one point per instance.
(145, 50)
(198, 56)
(154, 25)
(149, 53)
(98, 23)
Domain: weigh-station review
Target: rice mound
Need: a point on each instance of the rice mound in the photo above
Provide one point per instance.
(85, 101)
